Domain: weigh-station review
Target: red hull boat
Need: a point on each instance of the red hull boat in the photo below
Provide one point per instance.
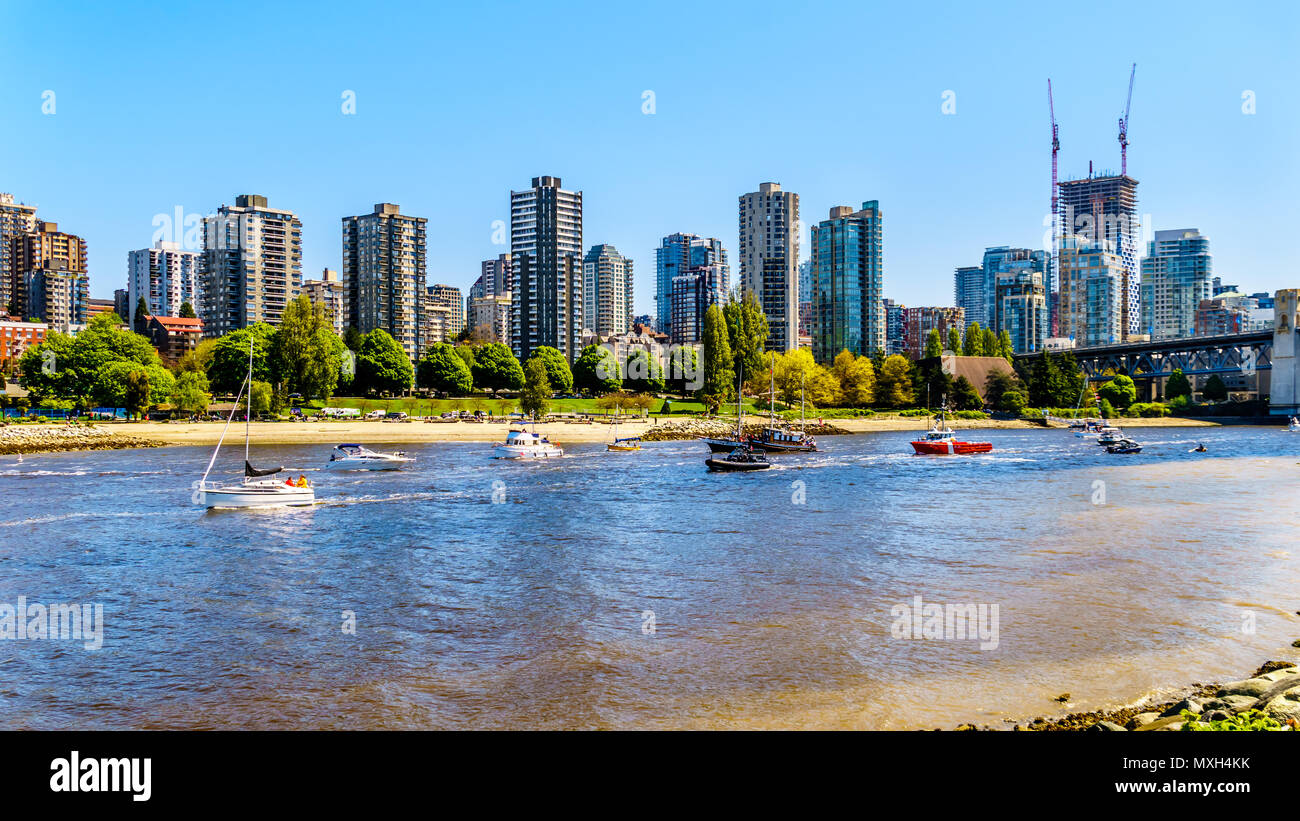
(941, 441)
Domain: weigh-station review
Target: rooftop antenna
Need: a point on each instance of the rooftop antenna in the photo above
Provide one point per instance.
(1123, 125)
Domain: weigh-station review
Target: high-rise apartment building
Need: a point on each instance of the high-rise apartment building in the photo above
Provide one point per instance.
(384, 257)
(1021, 307)
(920, 321)
(895, 327)
(165, 276)
(546, 261)
(328, 292)
(487, 307)
(1176, 278)
(971, 293)
(606, 291)
(769, 260)
(252, 265)
(848, 283)
(1094, 297)
(691, 273)
(449, 296)
(16, 219)
(1103, 211)
(51, 282)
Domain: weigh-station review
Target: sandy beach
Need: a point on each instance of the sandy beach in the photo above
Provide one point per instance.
(207, 433)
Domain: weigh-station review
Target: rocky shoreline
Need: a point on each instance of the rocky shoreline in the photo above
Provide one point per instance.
(1274, 690)
(680, 429)
(19, 439)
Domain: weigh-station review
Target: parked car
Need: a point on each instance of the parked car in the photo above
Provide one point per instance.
(377, 414)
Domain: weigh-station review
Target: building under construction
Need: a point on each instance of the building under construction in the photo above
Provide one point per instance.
(1098, 214)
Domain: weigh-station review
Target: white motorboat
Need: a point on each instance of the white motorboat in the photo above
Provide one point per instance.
(1108, 435)
(526, 444)
(1293, 425)
(359, 457)
(256, 489)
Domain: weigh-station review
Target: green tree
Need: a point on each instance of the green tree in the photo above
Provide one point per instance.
(682, 369)
(747, 333)
(131, 385)
(719, 362)
(1119, 391)
(229, 363)
(996, 384)
(352, 338)
(141, 323)
(988, 342)
(440, 369)
(70, 367)
(954, 340)
(260, 395)
(305, 358)
(558, 374)
(1178, 385)
(537, 388)
(1214, 389)
(187, 311)
(894, 383)
(933, 344)
(643, 373)
(190, 393)
(466, 353)
(1005, 349)
(974, 341)
(596, 371)
(964, 395)
(496, 369)
(1054, 380)
(382, 365)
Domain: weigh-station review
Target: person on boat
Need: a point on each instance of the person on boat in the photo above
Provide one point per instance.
(302, 481)
(1200, 448)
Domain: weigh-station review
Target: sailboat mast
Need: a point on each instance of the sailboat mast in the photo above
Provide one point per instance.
(771, 390)
(249, 413)
(740, 414)
(803, 379)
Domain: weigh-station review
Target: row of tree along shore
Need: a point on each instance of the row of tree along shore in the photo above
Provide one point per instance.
(302, 359)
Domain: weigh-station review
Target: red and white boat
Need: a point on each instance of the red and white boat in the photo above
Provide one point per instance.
(940, 440)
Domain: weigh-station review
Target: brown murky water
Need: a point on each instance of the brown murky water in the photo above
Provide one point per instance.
(637, 591)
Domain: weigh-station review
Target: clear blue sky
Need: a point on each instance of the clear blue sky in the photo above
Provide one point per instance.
(180, 104)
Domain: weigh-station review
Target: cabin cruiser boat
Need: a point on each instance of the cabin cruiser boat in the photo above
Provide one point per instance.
(777, 440)
(359, 457)
(1109, 436)
(526, 444)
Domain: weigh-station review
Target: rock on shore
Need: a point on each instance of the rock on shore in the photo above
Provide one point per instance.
(1274, 689)
(677, 429)
(51, 438)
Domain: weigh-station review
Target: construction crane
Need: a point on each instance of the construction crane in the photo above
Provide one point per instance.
(1123, 125)
(1056, 244)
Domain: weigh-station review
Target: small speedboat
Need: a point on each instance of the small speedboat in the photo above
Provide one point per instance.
(740, 459)
(526, 444)
(1124, 446)
(1294, 425)
(359, 457)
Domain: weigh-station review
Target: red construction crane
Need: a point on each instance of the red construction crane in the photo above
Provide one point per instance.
(1123, 125)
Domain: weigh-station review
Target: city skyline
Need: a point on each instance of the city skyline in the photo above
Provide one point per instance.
(648, 175)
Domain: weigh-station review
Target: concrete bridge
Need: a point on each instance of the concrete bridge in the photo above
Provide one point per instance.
(1260, 363)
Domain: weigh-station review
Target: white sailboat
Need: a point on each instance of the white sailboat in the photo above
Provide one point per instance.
(256, 490)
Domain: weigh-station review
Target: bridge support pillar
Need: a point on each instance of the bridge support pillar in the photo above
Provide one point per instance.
(1284, 390)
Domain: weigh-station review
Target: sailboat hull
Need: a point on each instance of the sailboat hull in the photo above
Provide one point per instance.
(722, 445)
(257, 494)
